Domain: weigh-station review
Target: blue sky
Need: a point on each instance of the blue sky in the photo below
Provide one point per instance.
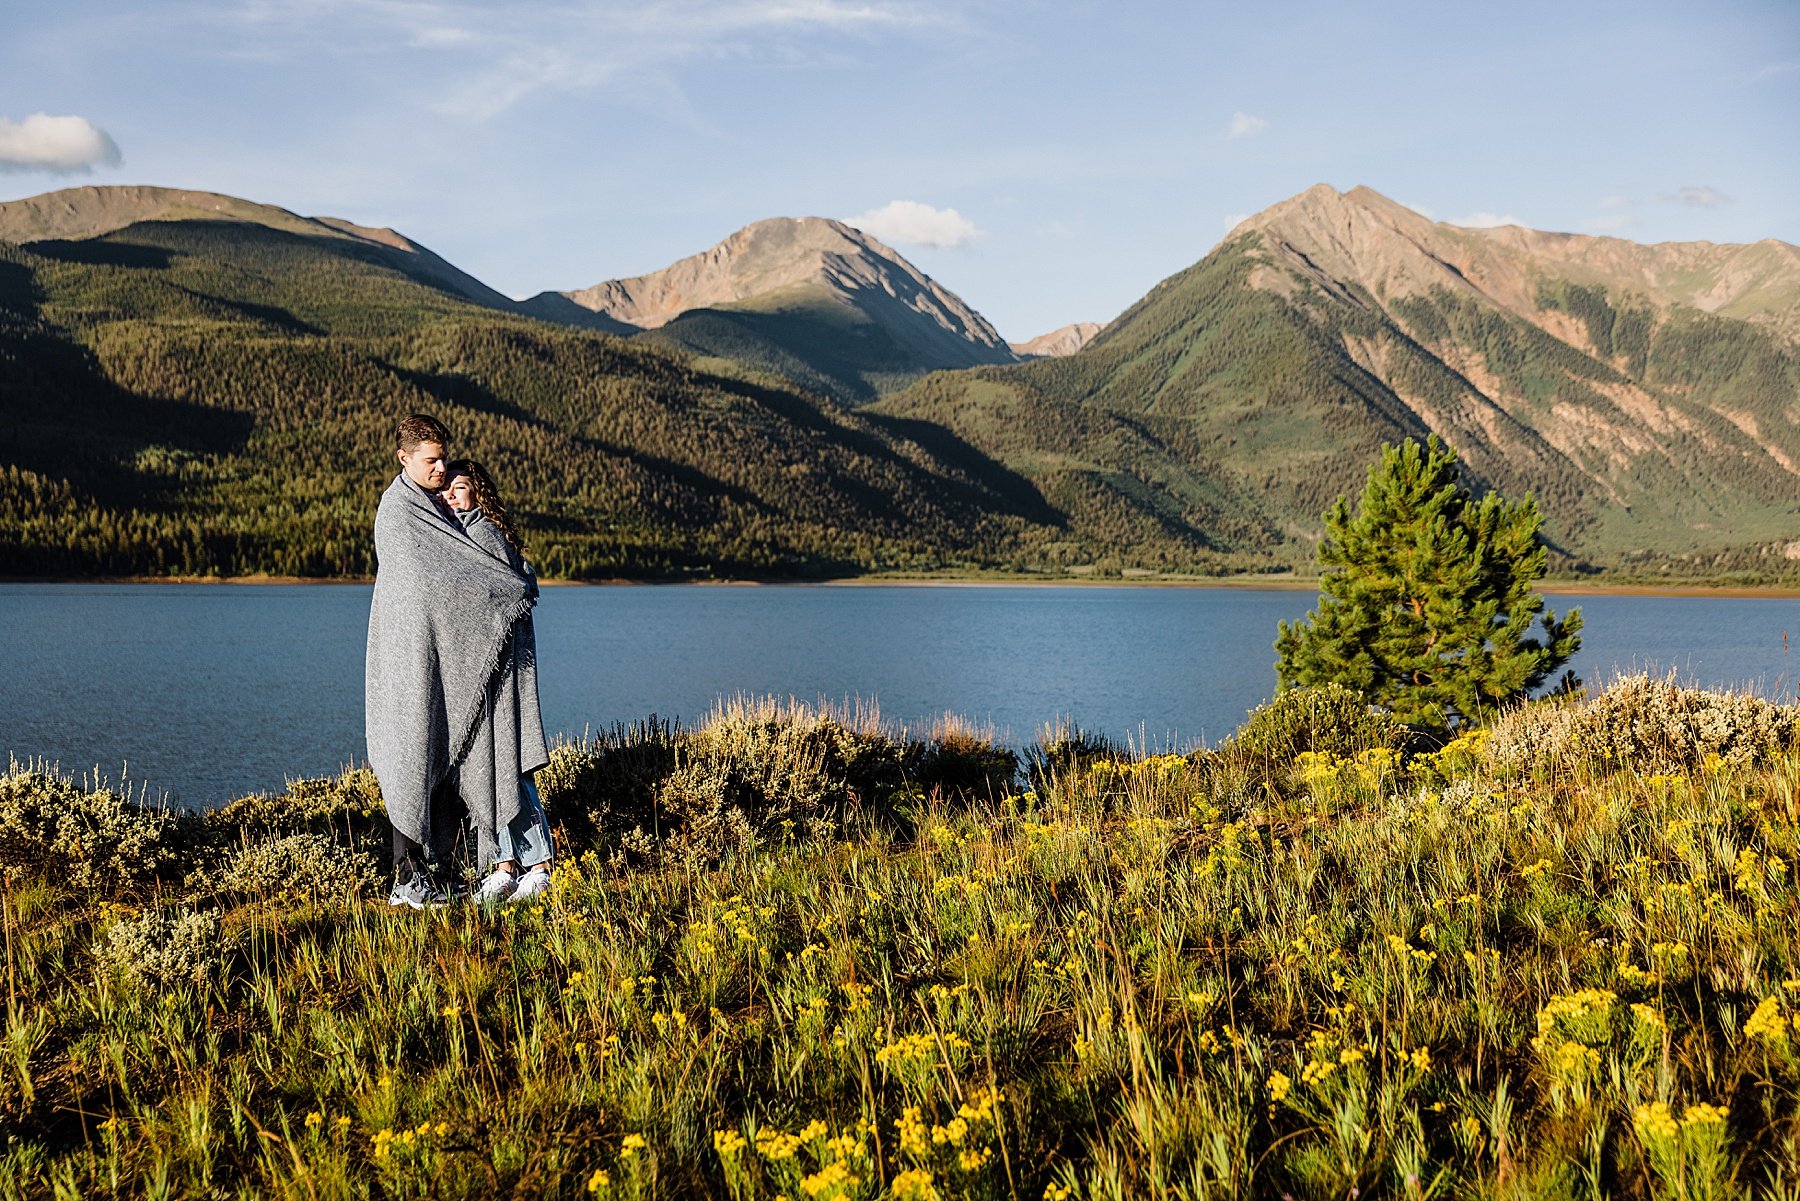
(1052, 160)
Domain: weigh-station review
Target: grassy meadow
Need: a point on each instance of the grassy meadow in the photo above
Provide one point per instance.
(797, 955)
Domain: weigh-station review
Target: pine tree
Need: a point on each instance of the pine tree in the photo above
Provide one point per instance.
(1426, 604)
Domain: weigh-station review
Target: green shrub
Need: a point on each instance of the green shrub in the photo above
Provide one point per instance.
(297, 865)
(1652, 725)
(1327, 719)
(1062, 749)
(90, 838)
(156, 949)
(344, 803)
(757, 768)
(962, 763)
(600, 787)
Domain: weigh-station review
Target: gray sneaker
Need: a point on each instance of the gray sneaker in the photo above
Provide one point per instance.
(418, 893)
(534, 883)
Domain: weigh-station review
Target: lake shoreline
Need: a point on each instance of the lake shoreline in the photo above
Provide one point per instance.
(1273, 583)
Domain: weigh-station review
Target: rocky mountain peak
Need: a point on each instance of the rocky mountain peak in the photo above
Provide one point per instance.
(773, 256)
(1058, 343)
(1363, 238)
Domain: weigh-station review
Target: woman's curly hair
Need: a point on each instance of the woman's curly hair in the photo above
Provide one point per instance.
(487, 499)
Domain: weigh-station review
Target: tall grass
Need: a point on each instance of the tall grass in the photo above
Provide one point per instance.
(1352, 973)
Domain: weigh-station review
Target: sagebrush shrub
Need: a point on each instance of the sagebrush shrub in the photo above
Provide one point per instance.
(346, 802)
(755, 769)
(1647, 723)
(746, 774)
(1329, 719)
(607, 784)
(91, 838)
(297, 865)
(1062, 749)
(158, 948)
(961, 762)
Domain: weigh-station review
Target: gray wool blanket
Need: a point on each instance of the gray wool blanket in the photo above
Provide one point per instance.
(510, 742)
(441, 625)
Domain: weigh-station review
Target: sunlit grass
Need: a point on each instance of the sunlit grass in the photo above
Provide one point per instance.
(1355, 974)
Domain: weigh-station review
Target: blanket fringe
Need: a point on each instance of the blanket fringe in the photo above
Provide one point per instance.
(472, 722)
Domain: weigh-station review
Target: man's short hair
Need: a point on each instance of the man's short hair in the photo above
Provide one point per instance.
(419, 428)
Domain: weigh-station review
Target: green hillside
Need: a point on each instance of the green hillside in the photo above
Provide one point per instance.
(1236, 400)
(210, 390)
(199, 397)
(804, 336)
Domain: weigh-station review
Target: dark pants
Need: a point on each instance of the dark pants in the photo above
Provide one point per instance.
(447, 829)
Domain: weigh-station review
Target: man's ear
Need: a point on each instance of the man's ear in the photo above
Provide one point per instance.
(401, 455)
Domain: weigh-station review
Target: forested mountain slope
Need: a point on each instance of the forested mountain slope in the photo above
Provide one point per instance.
(216, 394)
(1648, 395)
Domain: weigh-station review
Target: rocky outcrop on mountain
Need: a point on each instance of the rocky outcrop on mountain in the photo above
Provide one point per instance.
(1058, 343)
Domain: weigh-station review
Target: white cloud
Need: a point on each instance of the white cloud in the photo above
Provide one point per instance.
(1484, 220)
(909, 223)
(502, 54)
(1243, 125)
(57, 145)
(1233, 220)
(1421, 210)
(1700, 197)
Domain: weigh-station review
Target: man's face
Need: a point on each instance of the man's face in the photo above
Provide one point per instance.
(424, 465)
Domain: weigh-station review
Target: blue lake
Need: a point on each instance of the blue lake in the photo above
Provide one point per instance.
(207, 692)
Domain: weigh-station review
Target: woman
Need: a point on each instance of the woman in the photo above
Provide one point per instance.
(512, 833)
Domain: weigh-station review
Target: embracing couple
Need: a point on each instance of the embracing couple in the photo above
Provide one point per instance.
(451, 698)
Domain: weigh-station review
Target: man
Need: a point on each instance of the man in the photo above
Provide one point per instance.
(439, 626)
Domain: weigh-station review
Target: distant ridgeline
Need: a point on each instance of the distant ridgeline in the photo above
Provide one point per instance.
(194, 385)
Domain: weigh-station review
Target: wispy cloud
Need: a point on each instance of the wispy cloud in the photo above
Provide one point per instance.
(910, 223)
(1233, 220)
(1484, 220)
(1772, 70)
(1697, 197)
(56, 145)
(1243, 125)
(498, 55)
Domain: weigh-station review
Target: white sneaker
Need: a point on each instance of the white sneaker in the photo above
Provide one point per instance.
(498, 886)
(534, 883)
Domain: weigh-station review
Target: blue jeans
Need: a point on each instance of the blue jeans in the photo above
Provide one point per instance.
(526, 839)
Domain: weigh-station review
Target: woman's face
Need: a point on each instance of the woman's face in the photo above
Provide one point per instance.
(458, 493)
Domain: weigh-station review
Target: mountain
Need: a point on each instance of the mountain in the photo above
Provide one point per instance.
(1648, 395)
(195, 385)
(811, 299)
(89, 212)
(1058, 343)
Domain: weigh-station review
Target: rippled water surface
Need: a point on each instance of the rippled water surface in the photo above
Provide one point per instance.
(211, 691)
